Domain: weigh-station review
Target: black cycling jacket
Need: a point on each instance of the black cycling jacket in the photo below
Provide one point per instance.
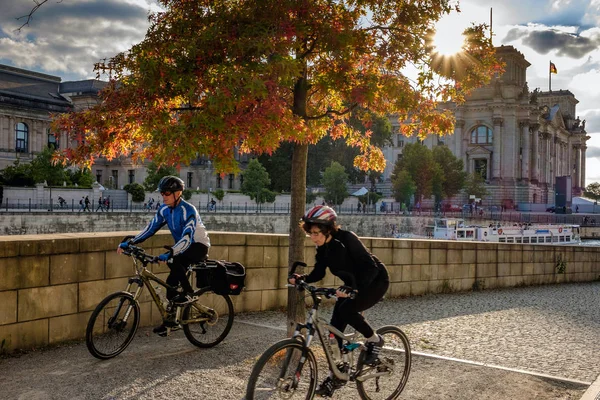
(345, 254)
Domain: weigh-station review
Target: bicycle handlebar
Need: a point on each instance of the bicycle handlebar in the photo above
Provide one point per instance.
(319, 291)
(140, 254)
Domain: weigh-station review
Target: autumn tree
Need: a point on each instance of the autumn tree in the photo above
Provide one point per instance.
(155, 173)
(593, 191)
(211, 77)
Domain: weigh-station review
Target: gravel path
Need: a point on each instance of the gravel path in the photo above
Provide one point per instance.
(552, 330)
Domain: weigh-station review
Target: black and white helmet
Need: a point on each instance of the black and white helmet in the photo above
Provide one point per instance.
(171, 184)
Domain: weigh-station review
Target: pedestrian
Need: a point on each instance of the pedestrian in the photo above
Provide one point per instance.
(86, 202)
(576, 209)
(358, 207)
(361, 272)
(107, 203)
(191, 242)
(100, 204)
(81, 204)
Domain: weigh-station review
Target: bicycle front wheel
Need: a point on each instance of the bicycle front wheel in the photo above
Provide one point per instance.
(112, 325)
(387, 378)
(287, 370)
(208, 320)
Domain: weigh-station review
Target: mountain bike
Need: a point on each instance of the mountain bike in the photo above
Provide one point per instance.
(288, 369)
(206, 319)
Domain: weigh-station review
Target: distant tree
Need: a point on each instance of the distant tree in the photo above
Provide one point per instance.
(593, 191)
(310, 197)
(136, 191)
(219, 194)
(475, 185)
(81, 176)
(403, 186)
(18, 174)
(187, 194)
(453, 175)
(334, 181)
(155, 174)
(418, 161)
(45, 169)
(256, 178)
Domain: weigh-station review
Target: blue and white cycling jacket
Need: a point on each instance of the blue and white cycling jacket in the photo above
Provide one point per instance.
(184, 223)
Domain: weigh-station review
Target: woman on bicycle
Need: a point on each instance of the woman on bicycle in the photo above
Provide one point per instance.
(190, 235)
(347, 258)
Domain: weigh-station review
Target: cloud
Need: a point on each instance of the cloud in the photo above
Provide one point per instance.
(67, 38)
(543, 41)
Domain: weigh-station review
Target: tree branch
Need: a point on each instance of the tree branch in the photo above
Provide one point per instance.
(30, 15)
(330, 112)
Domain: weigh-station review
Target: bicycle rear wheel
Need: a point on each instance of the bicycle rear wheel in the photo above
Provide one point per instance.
(388, 377)
(112, 325)
(277, 373)
(208, 320)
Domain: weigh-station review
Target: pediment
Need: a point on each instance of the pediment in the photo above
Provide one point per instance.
(478, 151)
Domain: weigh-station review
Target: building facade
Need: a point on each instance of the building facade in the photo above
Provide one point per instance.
(518, 141)
(27, 100)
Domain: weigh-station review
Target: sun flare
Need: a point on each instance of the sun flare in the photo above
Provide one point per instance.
(448, 39)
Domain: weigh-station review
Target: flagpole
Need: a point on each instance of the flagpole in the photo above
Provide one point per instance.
(550, 76)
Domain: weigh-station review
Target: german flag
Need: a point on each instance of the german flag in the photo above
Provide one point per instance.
(553, 69)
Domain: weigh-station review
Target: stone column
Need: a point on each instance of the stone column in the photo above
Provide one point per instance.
(583, 149)
(535, 171)
(577, 179)
(496, 148)
(526, 150)
(459, 150)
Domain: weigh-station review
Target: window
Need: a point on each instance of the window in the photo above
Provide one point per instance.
(510, 240)
(131, 175)
(99, 176)
(231, 181)
(190, 175)
(52, 141)
(518, 239)
(400, 140)
(22, 131)
(481, 135)
(533, 239)
(399, 157)
(219, 181)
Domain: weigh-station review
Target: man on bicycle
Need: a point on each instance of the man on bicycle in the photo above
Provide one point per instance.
(346, 256)
(191, 240)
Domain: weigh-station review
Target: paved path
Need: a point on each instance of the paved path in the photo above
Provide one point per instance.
(550, 330)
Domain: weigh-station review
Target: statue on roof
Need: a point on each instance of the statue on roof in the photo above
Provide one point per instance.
(576, 123)
(534, 96)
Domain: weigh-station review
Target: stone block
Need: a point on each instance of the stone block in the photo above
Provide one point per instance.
(527, 269)
(486, 270)
(454, 256)
(24, 335)
(92, 293)
(24, 272)
(262, 239)
(528, 257)
(402, 256)
(228, 239)
(516, 268)
(271, 257)
(237, 254)
(8, 307)
(117, 265)
(486, 255)
(538, 269)
(38, 247)
(247, 301)
(395, 273)
(218, 252)
(543, 254)
(8, 248)
(71, 268)
(262, 278)
(503, 269)
(67, 327)
(420, 256)
(427, 272)
(464, 271)
(377, 244)
(44, 302)
(255, 257)
(274, 299)
(469, 256)
(100, 241)
(439, 256)
(399, 289)
(385, 255)
(418, 288)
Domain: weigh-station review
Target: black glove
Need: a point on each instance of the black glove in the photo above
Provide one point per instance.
(347, 290)
(297, 277)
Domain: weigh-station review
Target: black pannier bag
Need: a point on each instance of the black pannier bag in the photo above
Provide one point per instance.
(222, 276)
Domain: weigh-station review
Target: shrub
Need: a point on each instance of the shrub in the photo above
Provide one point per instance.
(136, 191)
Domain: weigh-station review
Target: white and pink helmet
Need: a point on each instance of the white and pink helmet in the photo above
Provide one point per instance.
(320, 215)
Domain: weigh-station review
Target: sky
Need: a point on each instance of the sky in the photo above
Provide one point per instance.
(66, 37)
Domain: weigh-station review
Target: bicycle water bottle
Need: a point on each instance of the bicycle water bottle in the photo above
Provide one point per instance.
(335, 348)
(162, 297)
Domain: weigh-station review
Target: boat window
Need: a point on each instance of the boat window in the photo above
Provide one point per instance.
(554, 239)
(548, 239)
(561, 238)
(510, 240)
(518, 240)
(526, 239)
(502, 240)
(568, 238)
(533, 239)
(460, 234)
(469, 234)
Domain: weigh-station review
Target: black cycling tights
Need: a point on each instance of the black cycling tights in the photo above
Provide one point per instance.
(348, 311)
(195, 253)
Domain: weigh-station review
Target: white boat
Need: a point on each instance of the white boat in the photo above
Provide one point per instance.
(456, 229)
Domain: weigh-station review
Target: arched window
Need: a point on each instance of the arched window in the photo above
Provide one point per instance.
(22, 142)
(481, 135)
(52, 141)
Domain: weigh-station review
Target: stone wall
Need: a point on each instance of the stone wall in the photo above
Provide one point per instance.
(51, 283)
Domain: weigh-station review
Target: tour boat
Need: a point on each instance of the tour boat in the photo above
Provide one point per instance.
(524, 233)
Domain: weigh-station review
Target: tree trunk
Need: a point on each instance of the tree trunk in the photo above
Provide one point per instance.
(296, 307)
